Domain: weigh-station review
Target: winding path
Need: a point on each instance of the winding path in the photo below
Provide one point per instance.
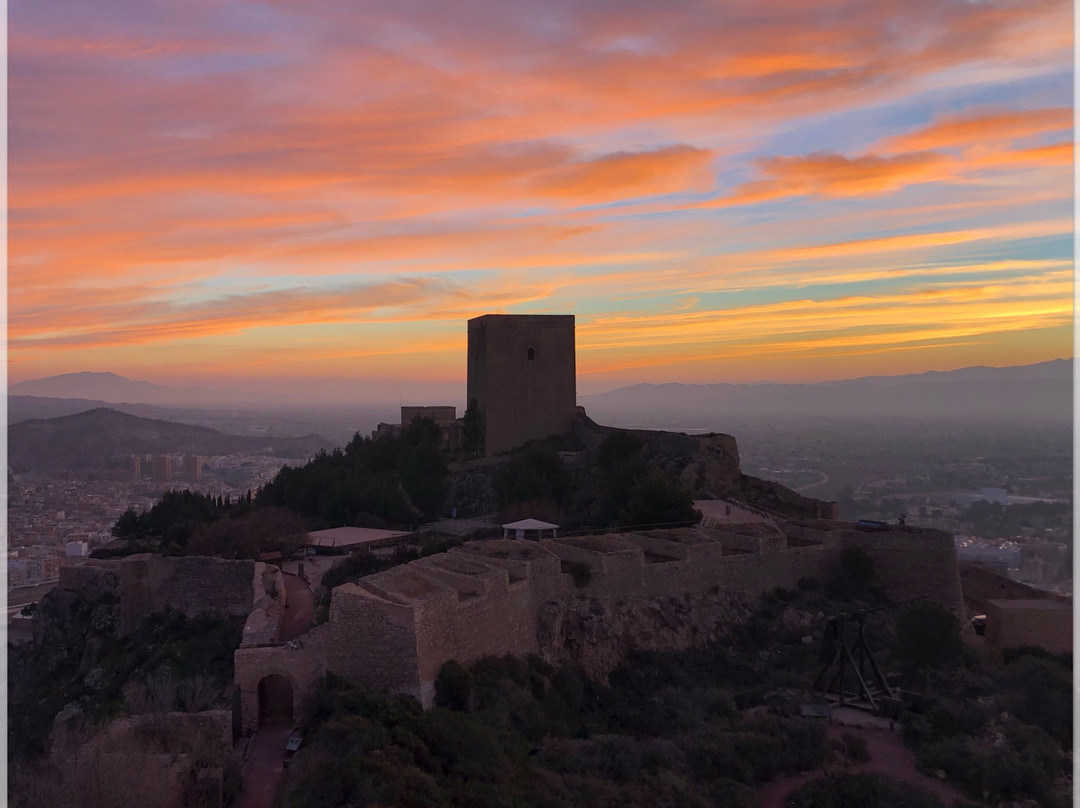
(300, 606)
(888, 756)
(263, 771)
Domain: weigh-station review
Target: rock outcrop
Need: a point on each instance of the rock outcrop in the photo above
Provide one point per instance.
(596, 634)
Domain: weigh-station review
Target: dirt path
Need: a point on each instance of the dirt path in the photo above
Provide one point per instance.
(888, 756)
(300, 607)
(263, 772)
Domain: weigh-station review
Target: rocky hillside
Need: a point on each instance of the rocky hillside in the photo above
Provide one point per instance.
(596, 635)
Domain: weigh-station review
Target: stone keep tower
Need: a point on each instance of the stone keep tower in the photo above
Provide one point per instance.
(522, 373)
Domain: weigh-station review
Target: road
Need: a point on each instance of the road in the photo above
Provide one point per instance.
(802, 489)
(22, 595)
(263, 773)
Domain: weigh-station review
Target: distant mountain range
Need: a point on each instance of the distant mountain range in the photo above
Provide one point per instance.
(99, 438)
(1030, 393)
(23, 408)
(1035, 393)
(114, 389)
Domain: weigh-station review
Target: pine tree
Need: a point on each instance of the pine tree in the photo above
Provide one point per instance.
(472, 431)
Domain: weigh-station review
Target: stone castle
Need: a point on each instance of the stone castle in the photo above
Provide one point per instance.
(656, 590)
(522, 374)
(659, 591)
(587, 600)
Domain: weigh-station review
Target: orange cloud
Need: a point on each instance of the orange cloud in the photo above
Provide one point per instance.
(621, 175)
(918, 241)
(829, 175)
(982, 127)
(1056, 154)
(808, 327)
(349, 145)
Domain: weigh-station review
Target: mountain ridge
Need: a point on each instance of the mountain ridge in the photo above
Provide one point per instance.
(1037, 392)
(167, 395)
(113, 388)
(1052, 368)
(102, 437)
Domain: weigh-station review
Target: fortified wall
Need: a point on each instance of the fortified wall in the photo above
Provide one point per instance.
(711, 461)
(189, 584)
(658, 590)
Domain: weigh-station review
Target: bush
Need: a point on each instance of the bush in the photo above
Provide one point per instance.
(656, 499)
(1038, 690)
(850, 576)
(1009, 761)
(453, 686)
(619, 446)
(581, 573)
(927, 636)
(854, 747)
(860, 791)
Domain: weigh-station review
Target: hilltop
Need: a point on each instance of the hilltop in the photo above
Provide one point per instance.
(116, 389)
(97, 437)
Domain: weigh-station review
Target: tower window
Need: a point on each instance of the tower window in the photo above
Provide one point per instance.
(531, 355)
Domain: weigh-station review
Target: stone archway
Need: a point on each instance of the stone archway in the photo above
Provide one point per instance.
(275, 701)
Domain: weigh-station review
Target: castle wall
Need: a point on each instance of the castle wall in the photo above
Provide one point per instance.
(912, 564)
(188, 584)
(376, 640)
(1044, 623)
(522, 373)
(395, 629)
(93, 578)
(301, 663)
(367, 640)
(714, 458)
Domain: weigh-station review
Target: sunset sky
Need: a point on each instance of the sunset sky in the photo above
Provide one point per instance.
(313, 197)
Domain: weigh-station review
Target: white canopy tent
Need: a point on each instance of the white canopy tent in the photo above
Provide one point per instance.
(521, 526)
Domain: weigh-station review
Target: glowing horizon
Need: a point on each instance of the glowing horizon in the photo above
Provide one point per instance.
(284, 195)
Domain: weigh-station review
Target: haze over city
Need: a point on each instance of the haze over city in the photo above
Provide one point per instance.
(553, 404)
(268, 196)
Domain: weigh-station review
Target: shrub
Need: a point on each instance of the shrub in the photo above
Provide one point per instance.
(1010, 761)
(851, 575)
(619, 446)
(657, 499)
(452, 687)
(854, 747)
(851, 790)
(927, 636)
(581, 573)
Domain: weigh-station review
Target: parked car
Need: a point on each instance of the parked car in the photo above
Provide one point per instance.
(291, 746)
(871, 525)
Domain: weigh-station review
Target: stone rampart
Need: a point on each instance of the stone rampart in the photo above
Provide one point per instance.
(192, 585)
(1041, 622)
(92, 579)
(912, 563)
(710, 462)
(658, 590)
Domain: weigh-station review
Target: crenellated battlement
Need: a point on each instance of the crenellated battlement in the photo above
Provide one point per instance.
(396, 628)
